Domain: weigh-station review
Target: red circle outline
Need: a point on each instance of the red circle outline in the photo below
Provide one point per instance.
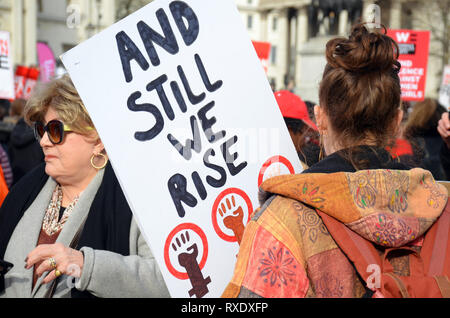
(224, 193)
(179, 228)
(269, 162)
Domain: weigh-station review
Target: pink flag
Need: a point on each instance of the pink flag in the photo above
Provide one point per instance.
(46, 62)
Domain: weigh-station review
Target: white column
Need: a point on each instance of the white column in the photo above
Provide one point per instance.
(109, 13)
(302, 38)
(30, 32)
(283, 46)
(17, 31)
(395, 20)
(302, 25)
(343, 22)
(264, 26)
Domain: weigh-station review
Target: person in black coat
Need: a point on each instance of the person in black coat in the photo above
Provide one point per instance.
(421, 130)
(25, 153)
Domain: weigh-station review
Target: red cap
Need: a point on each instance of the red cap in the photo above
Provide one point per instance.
(292, 106)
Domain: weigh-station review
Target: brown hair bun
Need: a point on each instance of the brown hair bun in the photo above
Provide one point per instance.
(360, 89)
(363, 51)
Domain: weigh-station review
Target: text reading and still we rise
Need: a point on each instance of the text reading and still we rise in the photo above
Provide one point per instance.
(187, 24)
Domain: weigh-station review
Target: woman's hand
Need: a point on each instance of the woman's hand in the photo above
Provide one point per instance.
(68, 261)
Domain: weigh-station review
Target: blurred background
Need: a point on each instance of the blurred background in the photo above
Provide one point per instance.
(296, 31)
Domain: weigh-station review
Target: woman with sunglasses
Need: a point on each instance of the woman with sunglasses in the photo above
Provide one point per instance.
(66, 226)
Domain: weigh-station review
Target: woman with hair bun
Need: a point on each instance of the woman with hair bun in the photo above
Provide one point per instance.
(353, 224)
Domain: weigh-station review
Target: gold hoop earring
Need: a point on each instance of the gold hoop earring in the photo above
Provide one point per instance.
(99, 155)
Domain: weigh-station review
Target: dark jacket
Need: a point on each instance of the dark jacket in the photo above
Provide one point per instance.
(445, 160)
(25, 153)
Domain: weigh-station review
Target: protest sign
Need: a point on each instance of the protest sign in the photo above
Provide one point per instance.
(31, 82)
(6, 67)
(263, 52)
(191, 126)
(25, 81)
(444, 92)
(20, 79)
(414, 49)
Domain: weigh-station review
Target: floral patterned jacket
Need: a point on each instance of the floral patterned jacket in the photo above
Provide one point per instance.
(287, 250)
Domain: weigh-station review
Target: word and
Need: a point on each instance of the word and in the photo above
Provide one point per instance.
(129, 51)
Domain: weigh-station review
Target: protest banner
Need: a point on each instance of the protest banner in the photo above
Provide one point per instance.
(414, 50)
(263, 52)
(20, 79)
(31, 82)
(47, 63)
(191, 126)
(6, 67)
(444, 92)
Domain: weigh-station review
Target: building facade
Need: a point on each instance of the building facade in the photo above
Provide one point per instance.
(298, 31)
(62, 24)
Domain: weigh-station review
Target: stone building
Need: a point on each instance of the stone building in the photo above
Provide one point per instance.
(299, 30)
(62, 24)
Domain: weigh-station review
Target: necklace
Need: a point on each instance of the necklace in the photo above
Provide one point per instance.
(52, 224)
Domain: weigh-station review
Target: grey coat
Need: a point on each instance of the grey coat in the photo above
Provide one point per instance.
(104, 274)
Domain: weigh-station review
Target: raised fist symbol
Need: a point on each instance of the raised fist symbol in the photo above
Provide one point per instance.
(187, 258)
(233, 217)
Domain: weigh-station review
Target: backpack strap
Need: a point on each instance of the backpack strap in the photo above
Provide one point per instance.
(359, 250)
(436, 246)
(400, 285)
(444, 285)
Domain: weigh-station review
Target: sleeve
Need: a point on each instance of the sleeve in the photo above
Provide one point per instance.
(110, 275)
(270, 263)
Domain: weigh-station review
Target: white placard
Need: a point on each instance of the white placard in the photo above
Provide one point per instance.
(6, 67)
(173, 75)
(444, 92)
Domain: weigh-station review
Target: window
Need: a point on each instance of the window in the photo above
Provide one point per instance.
(274, 23)
(249, 21)
(273, 55)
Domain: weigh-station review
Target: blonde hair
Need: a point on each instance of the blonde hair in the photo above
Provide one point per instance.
(62, 96)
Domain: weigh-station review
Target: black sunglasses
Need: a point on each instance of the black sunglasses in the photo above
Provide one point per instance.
(55, 130)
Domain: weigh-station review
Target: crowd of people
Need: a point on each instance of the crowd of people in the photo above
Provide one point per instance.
(367, 196)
